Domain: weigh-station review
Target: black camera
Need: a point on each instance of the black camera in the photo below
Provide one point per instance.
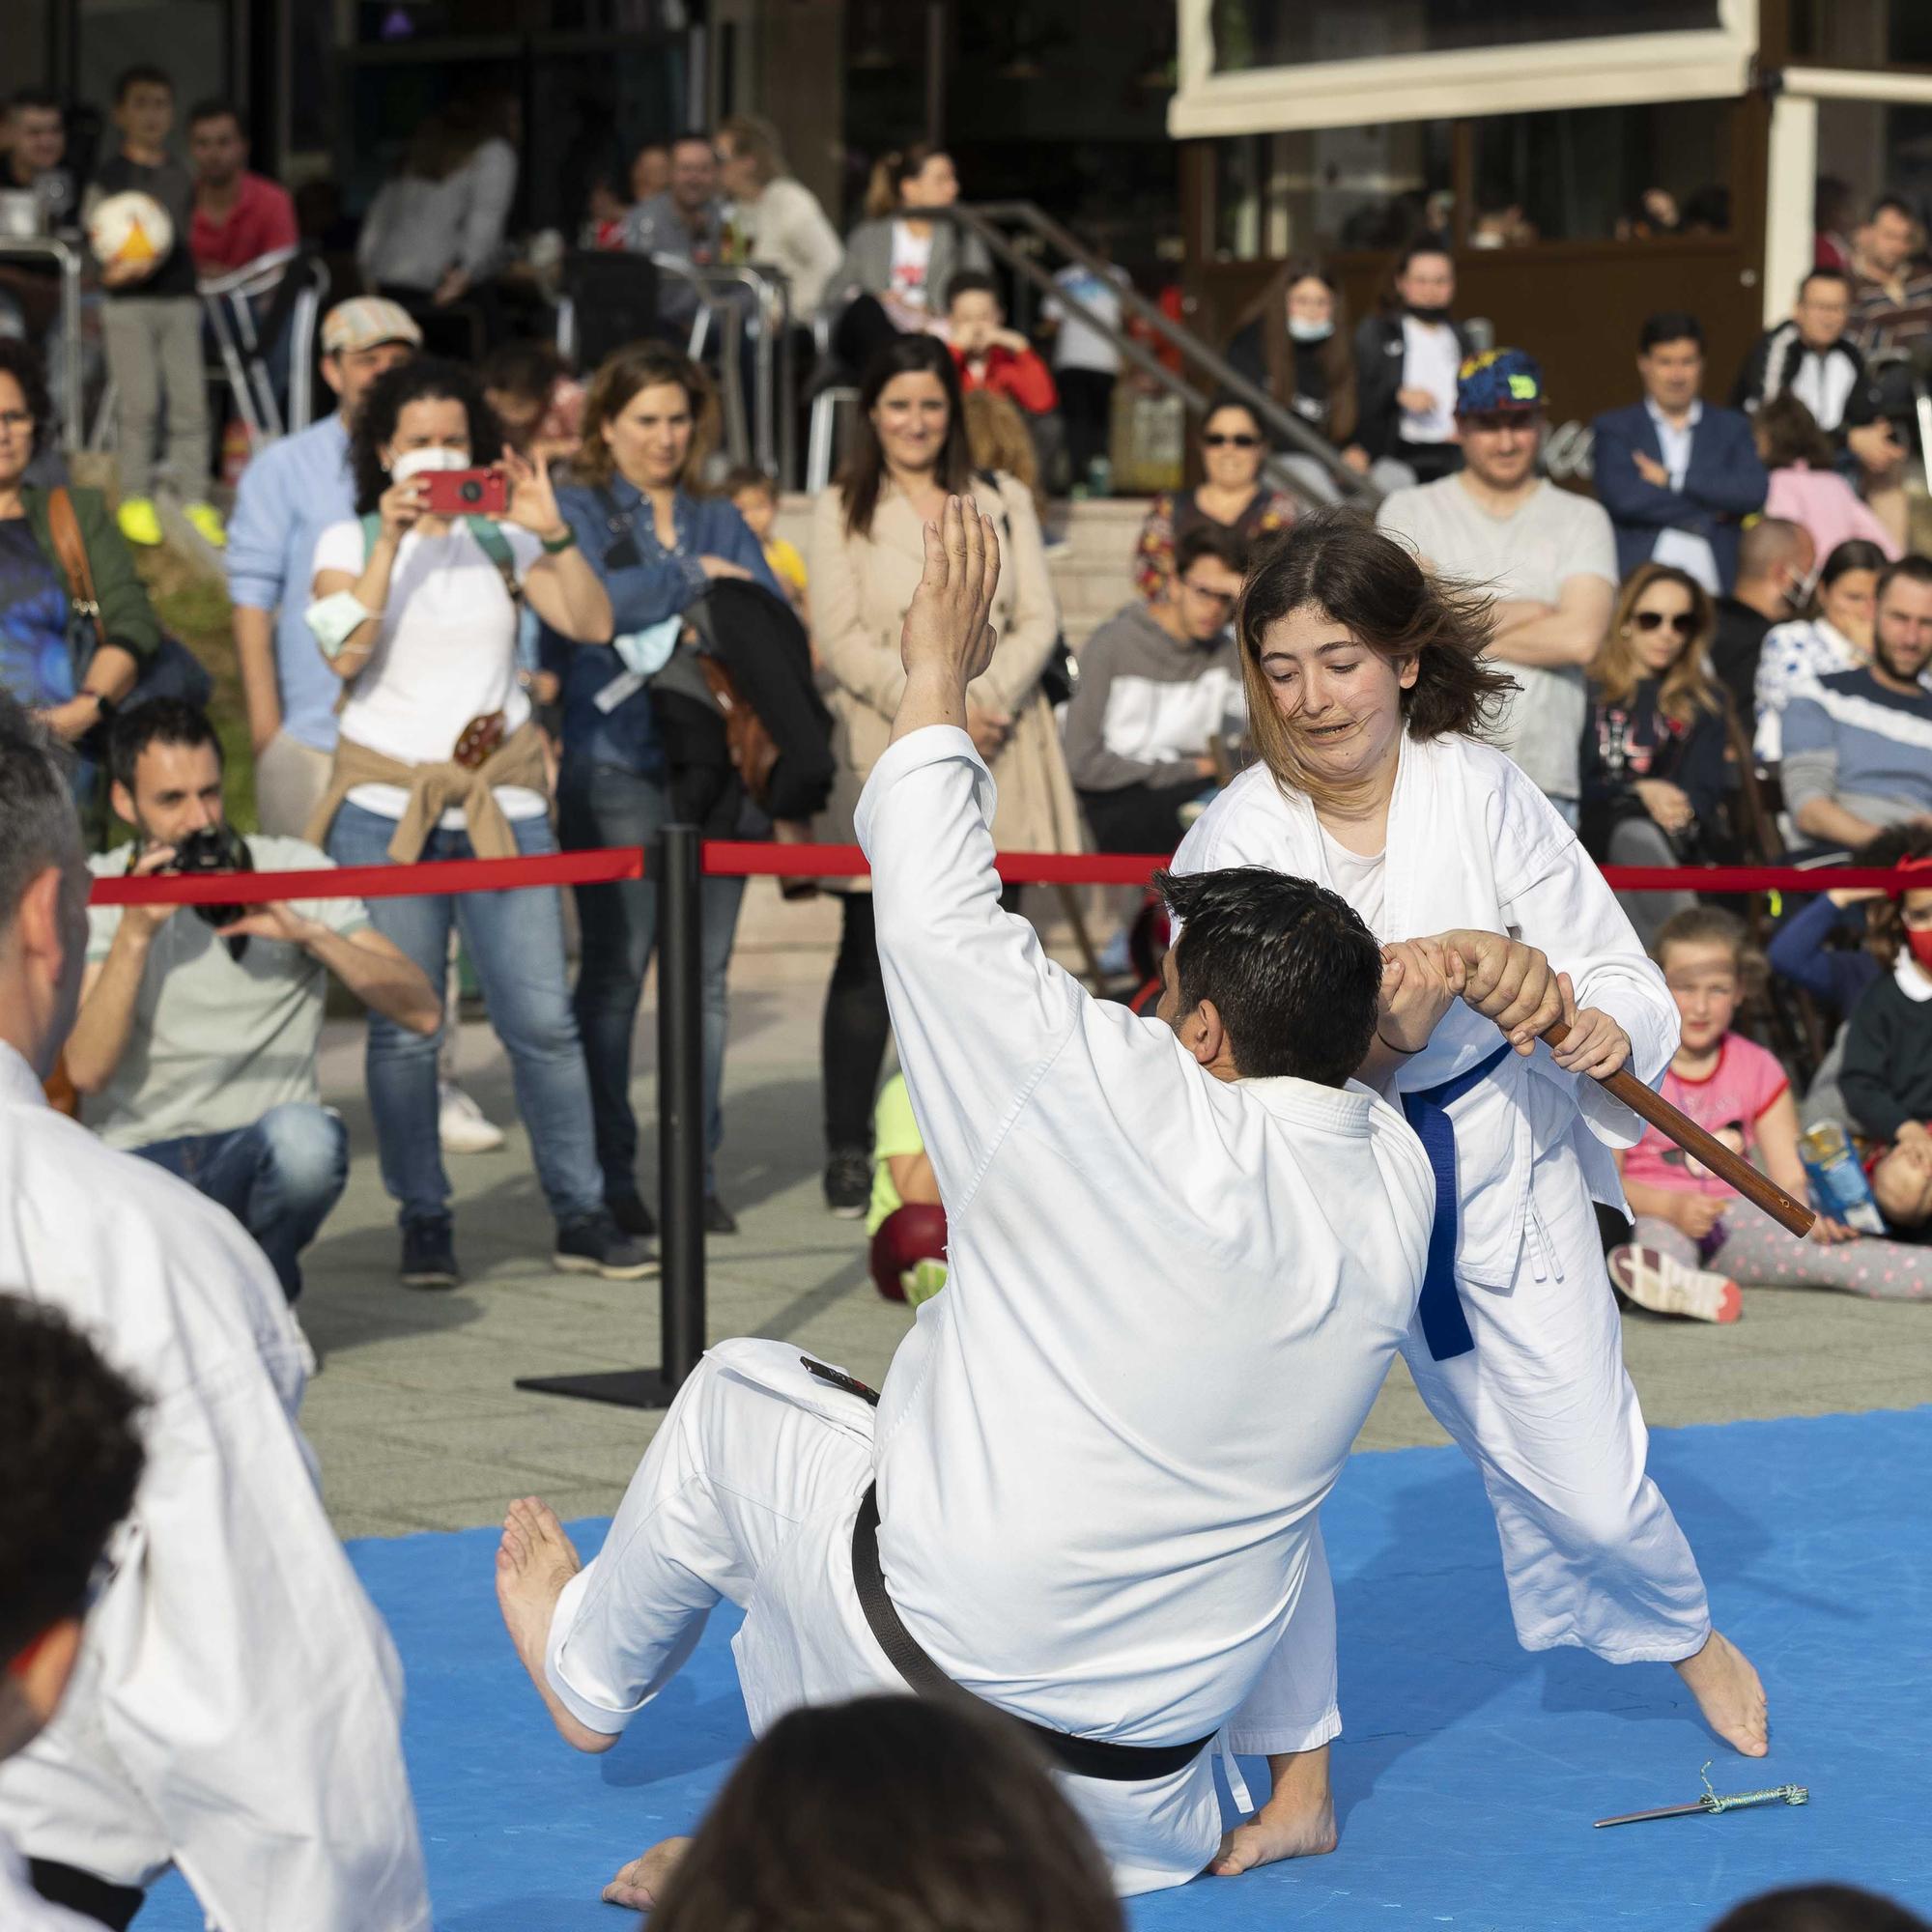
(214, 848)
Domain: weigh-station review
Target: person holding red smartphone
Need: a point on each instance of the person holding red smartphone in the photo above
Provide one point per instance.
(416, 608)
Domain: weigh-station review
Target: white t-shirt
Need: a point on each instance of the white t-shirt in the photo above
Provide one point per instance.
(1079, 345)
(1361, 881)
(911, 256)
(446, 653)
(1553, 536)
(1431, 357)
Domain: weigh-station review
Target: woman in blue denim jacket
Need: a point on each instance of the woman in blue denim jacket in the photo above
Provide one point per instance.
(649, 423)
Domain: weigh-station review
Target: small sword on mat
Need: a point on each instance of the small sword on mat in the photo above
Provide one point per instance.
(1732, 1168)
(1712, 1801)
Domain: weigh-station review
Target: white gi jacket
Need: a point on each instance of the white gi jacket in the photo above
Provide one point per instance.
(1171, 1301)
(1472, 842)
(238, 1705)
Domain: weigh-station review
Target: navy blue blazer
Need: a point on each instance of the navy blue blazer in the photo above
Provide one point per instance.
(1725, 483)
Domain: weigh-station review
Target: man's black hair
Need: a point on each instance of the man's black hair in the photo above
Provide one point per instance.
(1811, 275)
(42, 98)
(38, 825)
(144, 73)
(1894, 204)
(1215, 540)
(1423, 245)
(156, 720)
(1820, 1908)
(1911, 567)
(69, 1459)
(1288, 965)
(1670, 325)
(218, 108)
(970, 282)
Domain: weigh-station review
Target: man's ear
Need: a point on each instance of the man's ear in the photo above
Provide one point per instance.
(123, 802)
(1202, 1034)
(37, 920)
(39, 1674)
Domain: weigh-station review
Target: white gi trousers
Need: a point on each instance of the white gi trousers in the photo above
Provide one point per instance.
(747, 1494)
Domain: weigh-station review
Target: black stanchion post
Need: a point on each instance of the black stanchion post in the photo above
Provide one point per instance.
(675, 867)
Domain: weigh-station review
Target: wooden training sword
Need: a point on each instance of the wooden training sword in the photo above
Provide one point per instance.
(1732, 1168)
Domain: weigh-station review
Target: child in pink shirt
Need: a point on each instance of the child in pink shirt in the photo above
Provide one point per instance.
(1694, 1239)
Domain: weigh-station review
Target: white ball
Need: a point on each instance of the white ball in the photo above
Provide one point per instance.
(130, 227)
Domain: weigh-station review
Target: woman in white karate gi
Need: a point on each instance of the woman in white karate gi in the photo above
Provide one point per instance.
(1366, 688)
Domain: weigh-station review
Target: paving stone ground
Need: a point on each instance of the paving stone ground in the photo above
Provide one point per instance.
(416, 1418)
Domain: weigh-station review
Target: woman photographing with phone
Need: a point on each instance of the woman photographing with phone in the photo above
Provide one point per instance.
(416, 611)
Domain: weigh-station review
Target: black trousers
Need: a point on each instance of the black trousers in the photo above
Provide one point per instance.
(1430, 461)
(113, 1905)
(1087, 409)
(1139, 818)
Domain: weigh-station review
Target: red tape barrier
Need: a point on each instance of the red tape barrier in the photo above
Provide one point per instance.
(732, 858)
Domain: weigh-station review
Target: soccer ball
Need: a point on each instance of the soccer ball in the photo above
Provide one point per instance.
(131, 227)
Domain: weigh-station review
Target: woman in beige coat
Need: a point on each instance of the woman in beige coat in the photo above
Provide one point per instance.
(866, 555)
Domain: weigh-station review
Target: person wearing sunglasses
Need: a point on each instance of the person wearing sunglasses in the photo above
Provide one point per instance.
(1654, 771)
(1159, 684)
(1231, 496)
(1548, 556)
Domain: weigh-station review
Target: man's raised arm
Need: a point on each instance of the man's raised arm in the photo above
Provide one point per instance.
(979, 1010)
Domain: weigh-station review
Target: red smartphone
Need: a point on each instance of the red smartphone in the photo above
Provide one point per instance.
(466, 493)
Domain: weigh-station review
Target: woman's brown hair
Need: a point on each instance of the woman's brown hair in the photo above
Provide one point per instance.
(1687, 688)
(1338, 353)
(1791, 434)
(1336, 561)
(757, 140)
(639, 366)
(882, 191)
(891, 1812)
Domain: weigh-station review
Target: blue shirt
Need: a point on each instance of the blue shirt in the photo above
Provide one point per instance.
(289, 496)
(647, 583)
(1849, 738)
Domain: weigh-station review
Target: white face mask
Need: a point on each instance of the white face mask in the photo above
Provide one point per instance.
(422, 462)
(1304, 328)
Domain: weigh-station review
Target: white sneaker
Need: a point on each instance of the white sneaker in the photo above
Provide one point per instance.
(462, 1125)
(1665, 1286)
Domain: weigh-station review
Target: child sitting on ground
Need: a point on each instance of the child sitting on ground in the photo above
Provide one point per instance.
(905, 1221)
(1887, 1071)
(755, 497)
(1694, 1239)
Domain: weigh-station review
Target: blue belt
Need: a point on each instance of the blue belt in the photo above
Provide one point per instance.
(1444, 1325)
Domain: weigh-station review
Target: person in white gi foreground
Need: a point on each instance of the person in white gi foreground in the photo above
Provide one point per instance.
(1183, 1251)
(1365, 685)
(70, 1458)
(238, 1707)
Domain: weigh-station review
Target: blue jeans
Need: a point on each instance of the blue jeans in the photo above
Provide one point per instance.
(606, 804)
(515, 941)
(279, 1177)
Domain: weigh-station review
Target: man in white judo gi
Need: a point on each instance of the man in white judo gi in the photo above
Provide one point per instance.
(238, 1707)
(1156, 1226)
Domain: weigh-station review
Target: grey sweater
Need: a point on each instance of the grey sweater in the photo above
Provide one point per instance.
(1147, 706)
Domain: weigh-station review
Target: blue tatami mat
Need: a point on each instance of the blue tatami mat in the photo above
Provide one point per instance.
(1469, 1772)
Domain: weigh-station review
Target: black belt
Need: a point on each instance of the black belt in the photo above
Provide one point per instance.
(81, 1892)
(1085, 1757)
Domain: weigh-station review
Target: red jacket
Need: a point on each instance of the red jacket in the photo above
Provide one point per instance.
(1020, 375)
(262, 221)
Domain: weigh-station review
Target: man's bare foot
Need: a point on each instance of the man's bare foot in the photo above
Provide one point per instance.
(534, 1561)
(1729, 1695)
(1298, 1821)
(641, 1884)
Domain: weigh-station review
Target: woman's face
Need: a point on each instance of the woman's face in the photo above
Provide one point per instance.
(1702, 975)
(649, 439)
(1232, 449)
(1847, 604)
(1661, 624)
(431, 422)
(736, 170)
(910, 419)
(1312, 301)
(16, 432)
(1341, 700)
(935, 185)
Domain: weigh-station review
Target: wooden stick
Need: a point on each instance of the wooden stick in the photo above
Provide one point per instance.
(1732, 1168)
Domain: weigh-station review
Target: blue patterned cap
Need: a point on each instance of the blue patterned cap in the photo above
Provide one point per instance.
(1497, 381)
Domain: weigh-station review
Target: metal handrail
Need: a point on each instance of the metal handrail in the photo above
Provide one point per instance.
(68, 259)
(770, 290)
(1268, 412)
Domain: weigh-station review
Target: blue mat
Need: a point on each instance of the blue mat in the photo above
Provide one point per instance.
(1469, 1772)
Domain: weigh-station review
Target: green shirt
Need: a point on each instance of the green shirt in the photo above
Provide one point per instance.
(217, 1041)
(895, 1131)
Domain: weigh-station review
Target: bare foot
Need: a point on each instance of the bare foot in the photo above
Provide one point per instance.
(534, 1561)
(641, 1884)
(1297, 1822)
(1729, 1695)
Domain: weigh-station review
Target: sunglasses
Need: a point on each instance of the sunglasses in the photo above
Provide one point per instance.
(1684, 623)
(1224, 439)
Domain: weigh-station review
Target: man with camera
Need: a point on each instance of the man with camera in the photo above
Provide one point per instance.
(196, 1039)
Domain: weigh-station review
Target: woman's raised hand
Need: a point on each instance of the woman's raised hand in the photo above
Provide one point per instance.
(400, 505)
(532, 504)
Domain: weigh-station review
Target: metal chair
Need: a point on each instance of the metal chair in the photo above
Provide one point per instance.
(295, 286)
